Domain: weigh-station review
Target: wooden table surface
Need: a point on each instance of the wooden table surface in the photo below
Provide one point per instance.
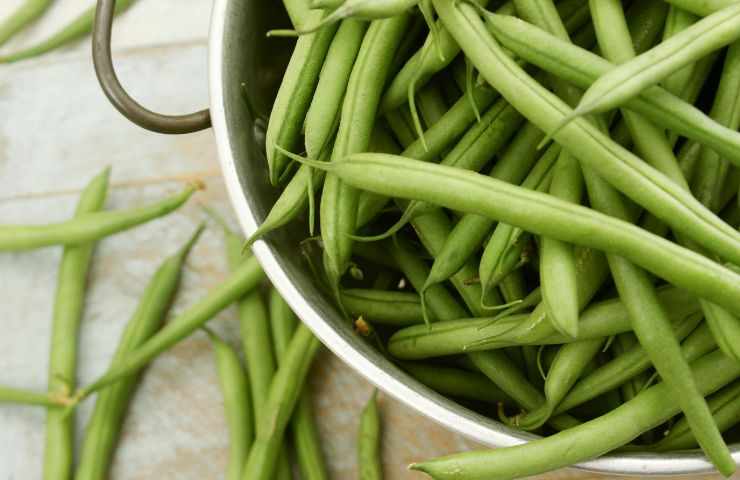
(56, 131)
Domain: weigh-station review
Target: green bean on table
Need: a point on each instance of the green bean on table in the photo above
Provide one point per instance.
(242, 280)
(88, 227)
(368, 441)
(105, 423)
(305, 437)
(235, 390)
(284, 391)
(27, 397)
(75, 30)
(21, 17)
(69, 304)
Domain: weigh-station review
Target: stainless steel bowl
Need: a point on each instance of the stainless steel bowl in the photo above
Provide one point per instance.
(245, 71)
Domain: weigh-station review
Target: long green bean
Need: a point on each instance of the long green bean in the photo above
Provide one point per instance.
(242, 280)
(383, 307)
(27, 397)
(458, 383)
(68, 309)
(235, 389)
(104, 426)
(368, 442)
(23, 16)
(281, 400)
(88, 227)
(305, 436)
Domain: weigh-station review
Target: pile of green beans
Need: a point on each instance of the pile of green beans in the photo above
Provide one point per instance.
(511, 239)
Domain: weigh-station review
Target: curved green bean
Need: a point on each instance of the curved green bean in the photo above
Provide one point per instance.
(106, 421)
(23, 16)
(678, 19)
(75, 30)
(87, 227)
(235, 389)
(284, 391)
(368, 441)
(629, 79)
(242, 280)
(69, 303)
(590, 439)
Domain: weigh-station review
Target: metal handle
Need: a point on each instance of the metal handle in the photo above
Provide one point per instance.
(173, 124)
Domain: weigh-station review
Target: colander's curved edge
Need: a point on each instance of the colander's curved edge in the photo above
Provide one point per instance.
(443, 411)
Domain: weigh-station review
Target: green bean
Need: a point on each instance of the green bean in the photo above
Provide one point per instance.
(383, 307)
(725, 406)
(422, 66)
(504, 251)
(87, 227)
(472, 151)
(702, 7)
(456, 382)
(242, 280)
(622, 343)
(368, 442)
(69, 303)
(450, 337)
(106, 421)
(234, 386)
(557, 259)
(439, 301)
(582, 68)
(496, 366)
(474, 193)
(338, 200)
(569, 363)
(471, 230)
(23, 16)
(292, 200)
(305, 436)
(713, 169)
(362, 10)
(298, 11)
(635, 361)
(323, 112)
(284, 391)
(294, 95)
(629, 79)
(590, 439)
(678, 19)
(75, 30)
(27, 397)
(325, 4)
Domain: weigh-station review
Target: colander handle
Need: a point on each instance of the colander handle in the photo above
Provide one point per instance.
(130, 108)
